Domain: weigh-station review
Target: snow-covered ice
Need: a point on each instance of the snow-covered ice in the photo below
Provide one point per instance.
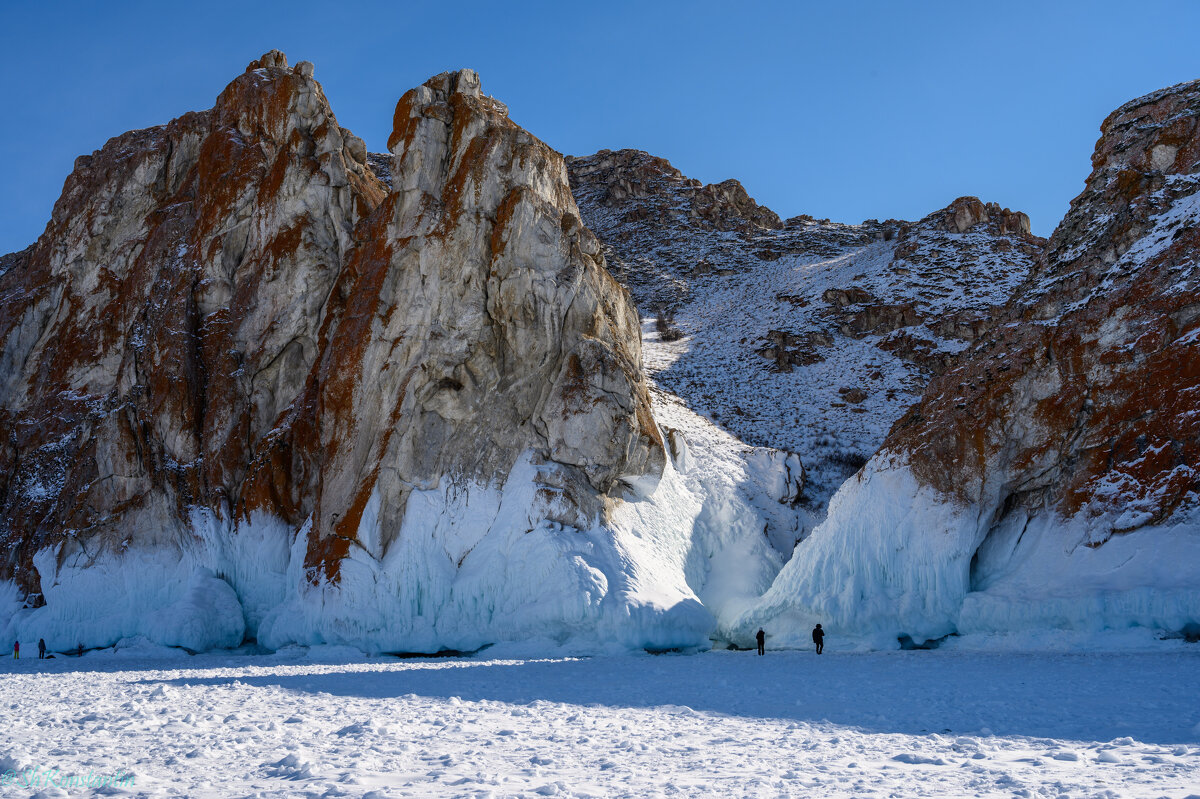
(329, 722)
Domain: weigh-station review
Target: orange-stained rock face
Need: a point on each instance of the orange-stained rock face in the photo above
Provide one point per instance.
(229, 314)
(169, 313)
(474, 322)
(1084, 396)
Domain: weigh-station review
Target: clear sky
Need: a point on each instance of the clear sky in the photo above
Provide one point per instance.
(839, 109)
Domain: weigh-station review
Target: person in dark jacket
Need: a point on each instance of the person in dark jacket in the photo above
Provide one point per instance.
(819, 638)
(41, 649)
(79, 651)
(762, 642)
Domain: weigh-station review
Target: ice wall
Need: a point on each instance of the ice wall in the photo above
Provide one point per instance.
(471, 565)
(895, 559)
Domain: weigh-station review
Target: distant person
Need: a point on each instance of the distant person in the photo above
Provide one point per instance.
(761, 637)
(79, 651)
(41, 649)
(819, 638)
(16, 650)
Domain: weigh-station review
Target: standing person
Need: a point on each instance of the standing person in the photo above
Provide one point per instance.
(762, 641)
(16, 650)
(41, 649)
(79, 651)
(819, 638)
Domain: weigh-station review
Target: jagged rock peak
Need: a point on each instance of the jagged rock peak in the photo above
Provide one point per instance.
(435, 97)
(275, 59)
(966, 212)
(1114, 302)
(635, 174)
(501, 331)
(181, 279)
(628, 173)
(1050, 477)
(1125, 112)
(271, 58)
(1146, 149)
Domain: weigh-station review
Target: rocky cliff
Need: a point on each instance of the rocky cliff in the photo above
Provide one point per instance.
(251, 389)
(168, 315)
(1048, 477)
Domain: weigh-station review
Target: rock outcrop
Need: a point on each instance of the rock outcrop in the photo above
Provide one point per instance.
(168, 315)
(474, 322)
(663, 232)
(966, 212)
(1084, 398)
(248, 387)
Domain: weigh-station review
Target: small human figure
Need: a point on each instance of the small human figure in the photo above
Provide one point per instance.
(819, 638)
(79, 651)
(41, 649)
(762, 641)
(16, 650)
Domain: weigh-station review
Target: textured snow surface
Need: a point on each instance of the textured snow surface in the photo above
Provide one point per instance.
(1040, 573)
(729, 724)
(98, 601)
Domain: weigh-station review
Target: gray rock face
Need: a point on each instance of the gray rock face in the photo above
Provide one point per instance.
(479, 324)
(1049, 477)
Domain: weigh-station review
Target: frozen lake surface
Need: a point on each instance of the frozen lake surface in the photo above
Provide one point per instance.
(334, 723)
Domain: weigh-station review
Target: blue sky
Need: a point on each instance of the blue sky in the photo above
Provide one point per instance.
(847, 110)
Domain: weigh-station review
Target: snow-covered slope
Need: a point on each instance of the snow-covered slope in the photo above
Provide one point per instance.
(808, 336)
